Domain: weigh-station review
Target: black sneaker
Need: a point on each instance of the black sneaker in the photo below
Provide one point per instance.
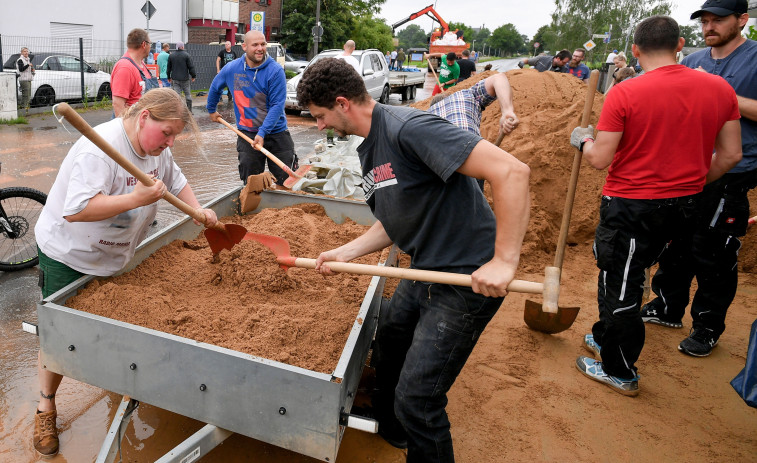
(699, 343)
(651, 314)
(389, 429)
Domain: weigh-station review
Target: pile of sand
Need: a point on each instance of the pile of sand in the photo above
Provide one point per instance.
(549, 105)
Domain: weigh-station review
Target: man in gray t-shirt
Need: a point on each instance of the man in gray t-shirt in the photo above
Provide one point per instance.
(417, 178)
(547, 63)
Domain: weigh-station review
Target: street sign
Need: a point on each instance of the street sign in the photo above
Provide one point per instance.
(317, 31)
(536, 44)
(148, 10)
(607, 38)
(589, 45)
(257, 21)
(598, 36)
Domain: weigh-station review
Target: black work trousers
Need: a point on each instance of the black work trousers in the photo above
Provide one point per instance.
(632, 235)
(252, 161)
(711, 257)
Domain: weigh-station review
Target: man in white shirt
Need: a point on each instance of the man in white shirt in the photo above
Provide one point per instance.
(611, 56)
(349, 47)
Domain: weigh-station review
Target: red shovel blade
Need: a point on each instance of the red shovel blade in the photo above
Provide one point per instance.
(297, 176)
(278, 245)
(219, 240)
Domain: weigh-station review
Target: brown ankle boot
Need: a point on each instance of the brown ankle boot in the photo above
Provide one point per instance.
(45, 434)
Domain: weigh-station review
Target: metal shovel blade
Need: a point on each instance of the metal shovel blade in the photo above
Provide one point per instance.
(539, 320)
(300, 173)
(219, 240)
(279, 246)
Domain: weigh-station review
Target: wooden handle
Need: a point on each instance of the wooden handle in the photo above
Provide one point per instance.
(85, 129)
(434, 73)
(459, 279)
(500, 137)
(571, 196)
(268, 154)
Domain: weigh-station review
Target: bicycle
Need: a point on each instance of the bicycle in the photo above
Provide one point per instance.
(20, 208)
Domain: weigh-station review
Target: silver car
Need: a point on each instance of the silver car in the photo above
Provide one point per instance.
(57, 77)
(294, 65)
(373, 69)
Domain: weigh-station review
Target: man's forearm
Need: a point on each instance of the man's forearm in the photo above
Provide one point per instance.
(119, 105)
(748, 107)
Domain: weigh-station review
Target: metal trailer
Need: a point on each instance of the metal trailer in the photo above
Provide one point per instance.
(291, 407)
(405, 82)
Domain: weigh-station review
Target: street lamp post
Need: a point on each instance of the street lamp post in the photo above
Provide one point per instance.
(473, 47)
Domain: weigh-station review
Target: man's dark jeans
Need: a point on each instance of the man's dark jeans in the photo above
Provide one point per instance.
(423, 339)
(712, 256)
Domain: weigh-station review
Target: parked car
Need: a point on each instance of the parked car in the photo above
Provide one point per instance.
(57, 78)
(294, 65)
(276, 51)
(373, 68)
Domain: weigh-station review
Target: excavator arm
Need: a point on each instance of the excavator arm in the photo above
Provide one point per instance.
(428, 11)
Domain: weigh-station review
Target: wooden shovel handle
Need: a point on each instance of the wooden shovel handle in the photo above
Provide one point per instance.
(85, 129)
(434, 73)
(459, 279)
(500, 137)
(268, 154)
(571, 196)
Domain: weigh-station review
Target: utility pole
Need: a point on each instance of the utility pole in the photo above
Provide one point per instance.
(317, 30)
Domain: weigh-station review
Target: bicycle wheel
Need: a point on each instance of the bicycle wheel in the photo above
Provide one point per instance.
(22, 207)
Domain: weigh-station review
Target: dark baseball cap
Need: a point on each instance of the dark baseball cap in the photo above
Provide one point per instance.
(722, 8)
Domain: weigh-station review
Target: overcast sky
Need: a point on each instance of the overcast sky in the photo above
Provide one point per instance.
(527, 15)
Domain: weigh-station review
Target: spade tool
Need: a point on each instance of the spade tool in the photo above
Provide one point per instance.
(548, 317)
(293, 176)
(219, 236)
(280, 248)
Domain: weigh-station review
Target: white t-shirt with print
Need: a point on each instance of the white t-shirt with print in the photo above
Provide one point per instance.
(104, 247)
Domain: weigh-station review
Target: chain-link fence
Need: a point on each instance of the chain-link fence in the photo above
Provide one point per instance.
(78, 69)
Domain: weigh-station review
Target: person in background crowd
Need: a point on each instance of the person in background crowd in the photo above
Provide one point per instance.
(576, 68)
(547, 63)
(128, 80)
(724, 212)
(163, 66)
(611, 56)
(349, 47)
(226, 56)
(25, 70)
(180, 70)
(400, 59)
(657, 136)
(624, 74)
(620, 62)
(97, 213)
(467, 66)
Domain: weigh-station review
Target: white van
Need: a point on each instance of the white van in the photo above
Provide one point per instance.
(276, 51)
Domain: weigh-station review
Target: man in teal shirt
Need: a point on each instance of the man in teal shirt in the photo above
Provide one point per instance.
(162, 66)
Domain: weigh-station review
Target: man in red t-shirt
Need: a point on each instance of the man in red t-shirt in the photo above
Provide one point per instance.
(126, 83)
(657, 134)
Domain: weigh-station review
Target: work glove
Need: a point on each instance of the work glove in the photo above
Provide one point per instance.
(521, 64)
(580, 135)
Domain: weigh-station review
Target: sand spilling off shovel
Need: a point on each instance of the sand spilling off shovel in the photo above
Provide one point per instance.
(245, 301)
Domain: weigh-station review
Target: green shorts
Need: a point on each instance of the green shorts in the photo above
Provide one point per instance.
(54, 275)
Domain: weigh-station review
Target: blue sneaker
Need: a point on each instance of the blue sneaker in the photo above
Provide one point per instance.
(593, 369)
(592, 346)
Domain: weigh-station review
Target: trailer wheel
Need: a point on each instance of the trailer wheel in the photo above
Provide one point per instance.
(412, 92)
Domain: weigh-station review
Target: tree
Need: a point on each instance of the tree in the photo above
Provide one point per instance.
(546, 38)
(370, 32)
(575, 21)
(482, 37)
(693, 36)
(337, 19)
(413, 37)
(507, 39)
